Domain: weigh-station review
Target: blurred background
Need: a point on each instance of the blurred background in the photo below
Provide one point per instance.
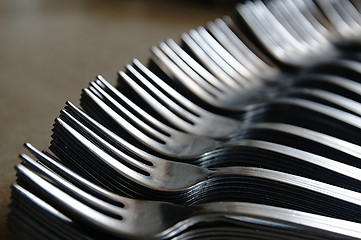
(50, 50)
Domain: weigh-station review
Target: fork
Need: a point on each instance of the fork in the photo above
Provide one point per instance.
(183, 75)
(169, 141)
(27, 216)
(307, 164)
(345, 195)
(275, 37)
(293, 20)
(193, 119)
(248, 184)
(202, 147)
(245, 45)
(124, 166)
(213, 91)
(129, 221)
(344, 16)
(240, 51)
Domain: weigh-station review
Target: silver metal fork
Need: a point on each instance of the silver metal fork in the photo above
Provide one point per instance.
(226, 98)
(242, 44)
(210, 90)
(279, 42)
(169, 220)
(293, 20)
(277, 35)
(175, 143)
(202, 121)
(344, 16)
(174, 183)
(194, 155)
(307, 163)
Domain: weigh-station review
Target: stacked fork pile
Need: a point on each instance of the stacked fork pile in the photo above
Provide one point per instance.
(249, 128)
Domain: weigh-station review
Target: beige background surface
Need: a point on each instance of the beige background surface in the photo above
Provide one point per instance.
(50, 50)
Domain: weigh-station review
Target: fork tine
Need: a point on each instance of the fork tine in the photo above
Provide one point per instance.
(111, 173)
(243, 38)
(75, 178)
(272, 22)
(343, 28)
(116, 176)
(201, 118)
(208, 56)
(67, 187)
(178, 145)
(309, 23)
(242, 78)
(159, 130)
(349, 14)
(187, 118)
(29, 213)
(107, 134)
(225, 102)
(76, 209)
(199, 69)
(165, 54)
(144, 165)
(242, 53)
(168, 89)
(294, 24)
(227, 57)
(158, 139)
(272, 35)
(329, 141)
(313, 15)
(198, 87)
(209, 63)
(262, 35)
(101, 154)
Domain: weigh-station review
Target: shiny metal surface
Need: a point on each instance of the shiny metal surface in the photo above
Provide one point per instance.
(249, 127)
(304, 34)
(124, 220)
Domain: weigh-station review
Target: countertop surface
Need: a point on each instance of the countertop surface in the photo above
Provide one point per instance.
(50, 50)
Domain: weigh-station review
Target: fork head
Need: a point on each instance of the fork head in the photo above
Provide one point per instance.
(147, 130)
(153, 172)
(182, 112)
(126, 221)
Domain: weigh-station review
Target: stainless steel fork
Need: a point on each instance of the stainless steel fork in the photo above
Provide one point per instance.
(288, 153)
(169, 220)
(344, 16)
(193, 119)
(150, 165)
(282, 43)
(176, 143)
(192, 155)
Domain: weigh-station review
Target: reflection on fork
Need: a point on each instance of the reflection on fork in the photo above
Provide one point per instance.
(127, 220)
(249, 128)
